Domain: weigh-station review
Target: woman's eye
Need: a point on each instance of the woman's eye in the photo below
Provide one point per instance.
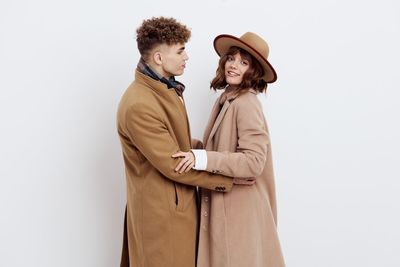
(244, 63)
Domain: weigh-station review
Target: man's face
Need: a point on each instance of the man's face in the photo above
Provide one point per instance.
(173, 59)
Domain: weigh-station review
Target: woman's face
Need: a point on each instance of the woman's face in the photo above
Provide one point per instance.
(235, 68)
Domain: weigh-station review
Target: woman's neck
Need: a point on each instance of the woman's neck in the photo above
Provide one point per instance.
(231, 88)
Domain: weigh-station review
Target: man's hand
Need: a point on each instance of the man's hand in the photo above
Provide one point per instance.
(244, 181)
(187, 163)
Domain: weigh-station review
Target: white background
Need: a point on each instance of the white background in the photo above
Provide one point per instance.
(333, 116)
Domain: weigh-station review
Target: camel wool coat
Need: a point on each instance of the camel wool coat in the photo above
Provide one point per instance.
(161, 220)
(239, 228)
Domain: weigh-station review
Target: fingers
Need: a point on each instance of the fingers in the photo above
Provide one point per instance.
(179, 166)
(185, 165)
(243, 181)
(190, 167)
(179, 154)
(251, 182)
(183, 155)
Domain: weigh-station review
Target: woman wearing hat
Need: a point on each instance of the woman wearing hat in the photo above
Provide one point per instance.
(238, 228)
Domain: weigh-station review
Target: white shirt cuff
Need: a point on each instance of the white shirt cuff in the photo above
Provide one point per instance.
(200, 156)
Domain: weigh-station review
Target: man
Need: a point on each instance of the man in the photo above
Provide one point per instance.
(161, 217)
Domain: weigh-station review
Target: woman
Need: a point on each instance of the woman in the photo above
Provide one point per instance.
(238, 228)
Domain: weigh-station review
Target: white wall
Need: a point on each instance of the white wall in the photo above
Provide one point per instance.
(333, 117)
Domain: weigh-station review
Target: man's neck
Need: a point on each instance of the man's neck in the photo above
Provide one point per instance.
(158, 70)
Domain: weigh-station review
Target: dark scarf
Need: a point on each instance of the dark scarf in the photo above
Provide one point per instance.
(171, 82)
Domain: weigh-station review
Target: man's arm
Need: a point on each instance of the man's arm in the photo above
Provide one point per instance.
(151, 136)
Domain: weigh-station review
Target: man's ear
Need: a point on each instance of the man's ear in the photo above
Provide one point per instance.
(157, 57)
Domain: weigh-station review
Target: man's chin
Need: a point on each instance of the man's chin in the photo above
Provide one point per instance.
(179, 73)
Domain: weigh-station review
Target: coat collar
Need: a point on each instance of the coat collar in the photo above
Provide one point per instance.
(168, 96)
(216, 117)
(218, 113)
(157, 86)
(232, 95)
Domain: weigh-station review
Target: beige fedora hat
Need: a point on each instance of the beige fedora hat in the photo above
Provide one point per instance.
(253, 44)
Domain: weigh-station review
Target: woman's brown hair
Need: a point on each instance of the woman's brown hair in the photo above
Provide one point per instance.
(252, 77)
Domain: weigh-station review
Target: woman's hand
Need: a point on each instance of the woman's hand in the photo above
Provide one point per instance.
(244, 181)
(187, 163)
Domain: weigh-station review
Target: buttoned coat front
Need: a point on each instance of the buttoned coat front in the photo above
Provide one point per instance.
(239, 228)
(162, 216)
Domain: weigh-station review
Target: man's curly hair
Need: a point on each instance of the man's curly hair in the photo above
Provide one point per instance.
(160, 30)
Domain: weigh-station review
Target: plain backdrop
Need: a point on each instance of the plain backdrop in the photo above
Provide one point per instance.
(333, 116)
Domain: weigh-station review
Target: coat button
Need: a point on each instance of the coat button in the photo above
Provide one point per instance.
(205, 199)
(205, 214)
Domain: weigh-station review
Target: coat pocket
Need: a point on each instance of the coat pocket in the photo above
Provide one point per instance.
(174, 196)
(178, 197)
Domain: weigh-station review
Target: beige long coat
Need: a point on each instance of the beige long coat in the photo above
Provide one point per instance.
(238, 228)
(162, 214)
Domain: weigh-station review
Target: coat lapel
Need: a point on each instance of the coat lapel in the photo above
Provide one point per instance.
(217, 115)
(213, 115)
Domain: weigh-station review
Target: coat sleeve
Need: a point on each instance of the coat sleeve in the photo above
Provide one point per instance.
(151, 136)
(197, 144)
(251, 152)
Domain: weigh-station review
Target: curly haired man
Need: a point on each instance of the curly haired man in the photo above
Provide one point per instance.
(161, 219)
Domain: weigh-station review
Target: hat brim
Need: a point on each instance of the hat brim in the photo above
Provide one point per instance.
(223, 42)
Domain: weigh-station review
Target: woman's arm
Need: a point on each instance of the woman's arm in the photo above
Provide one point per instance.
(251, 152)
(188, 162)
